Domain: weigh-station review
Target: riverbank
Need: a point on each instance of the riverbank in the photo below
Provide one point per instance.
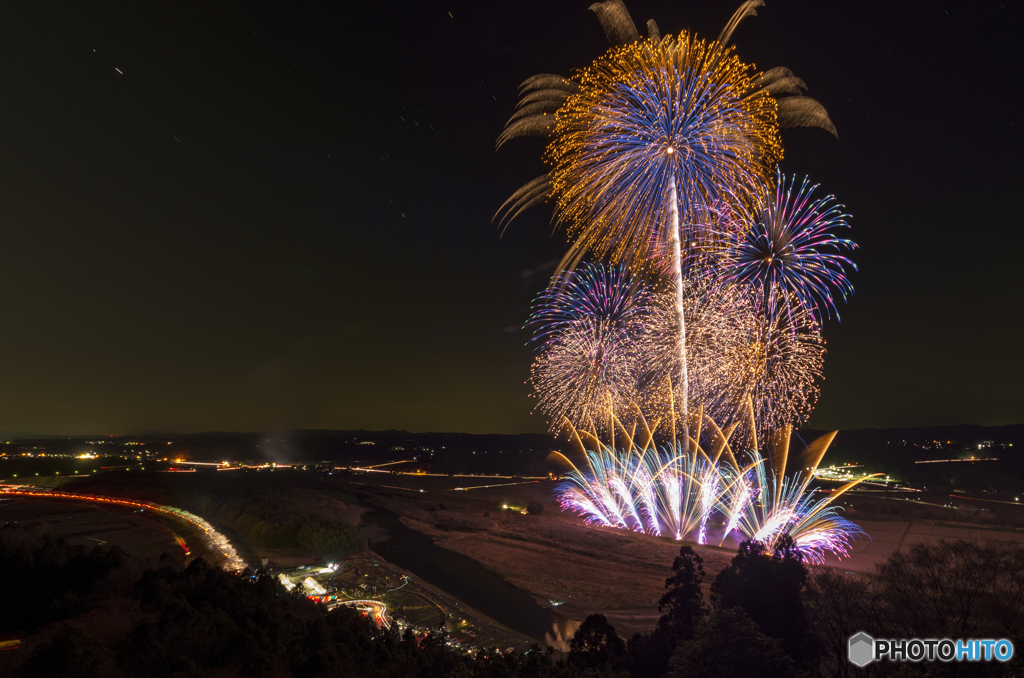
(553, 556)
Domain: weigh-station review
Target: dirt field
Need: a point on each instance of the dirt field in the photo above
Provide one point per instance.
(895, 525)
(81, 523)
(554, 555)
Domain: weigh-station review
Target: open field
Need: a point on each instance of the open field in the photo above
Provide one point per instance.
(895, 525)
(553, 556)
(89, 524)
(574, 569)
(622, 574)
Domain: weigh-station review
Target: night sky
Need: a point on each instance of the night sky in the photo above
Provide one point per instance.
(262, 215)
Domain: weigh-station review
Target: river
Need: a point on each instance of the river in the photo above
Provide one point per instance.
(462, 578)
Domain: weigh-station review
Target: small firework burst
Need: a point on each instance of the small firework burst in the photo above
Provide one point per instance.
(781, 365)
(784, 248)
(588, 325)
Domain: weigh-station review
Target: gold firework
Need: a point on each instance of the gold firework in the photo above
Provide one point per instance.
(655, 123)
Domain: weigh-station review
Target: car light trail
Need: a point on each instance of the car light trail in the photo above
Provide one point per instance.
(480, 487)
(377, 610)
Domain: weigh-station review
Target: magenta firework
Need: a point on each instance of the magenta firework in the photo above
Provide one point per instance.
(688, 493)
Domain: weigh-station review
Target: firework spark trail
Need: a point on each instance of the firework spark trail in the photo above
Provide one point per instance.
(775, 524)
(708, 500)
(647, 500)
(657, 122)
(591, 293)
(677, 268)
(734, 354)
(778, 369)
(739, 500)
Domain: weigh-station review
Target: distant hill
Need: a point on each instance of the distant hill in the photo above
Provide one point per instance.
(892, 451)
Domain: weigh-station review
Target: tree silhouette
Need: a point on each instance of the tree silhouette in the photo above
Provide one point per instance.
(768, 586)
(682, 606)
(729, 645)
(595, 644)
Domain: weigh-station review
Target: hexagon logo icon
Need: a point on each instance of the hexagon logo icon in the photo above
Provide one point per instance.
(861, 649)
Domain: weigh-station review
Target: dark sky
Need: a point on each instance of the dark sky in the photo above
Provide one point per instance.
(256, 215)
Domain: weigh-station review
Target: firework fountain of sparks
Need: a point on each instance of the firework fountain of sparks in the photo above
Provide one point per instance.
(638, 487)
(675, 491)
(663, 159)
(768, 504)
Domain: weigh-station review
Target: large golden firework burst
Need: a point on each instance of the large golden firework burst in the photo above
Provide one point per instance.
(649, 116)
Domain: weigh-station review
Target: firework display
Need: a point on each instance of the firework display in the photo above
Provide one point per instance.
(588, 326)
(784, 249)
(607, 341)
(672, 491)
(663, 160)
(768, 504)
(721, 327)
(779, 368)
(657, 126)
(640, 487)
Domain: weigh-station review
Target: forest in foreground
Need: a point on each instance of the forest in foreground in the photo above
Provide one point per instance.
(98, 612)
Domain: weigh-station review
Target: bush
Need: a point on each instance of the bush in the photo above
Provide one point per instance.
(729, 645)
(535, 508)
